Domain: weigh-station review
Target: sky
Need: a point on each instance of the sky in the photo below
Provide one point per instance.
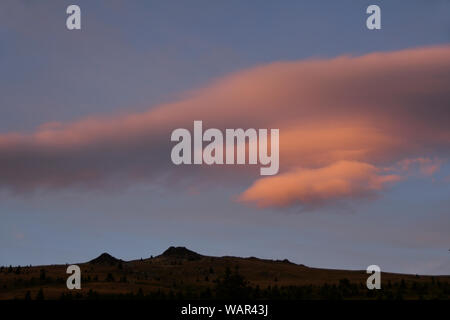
(86, 118)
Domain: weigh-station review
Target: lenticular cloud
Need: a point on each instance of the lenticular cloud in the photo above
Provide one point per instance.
(349, 126)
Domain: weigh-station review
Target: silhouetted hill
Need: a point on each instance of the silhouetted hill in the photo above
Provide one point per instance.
(105, 259)
(180, 253)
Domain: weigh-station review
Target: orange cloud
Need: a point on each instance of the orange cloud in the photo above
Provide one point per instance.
(355, 114)
(340, 180)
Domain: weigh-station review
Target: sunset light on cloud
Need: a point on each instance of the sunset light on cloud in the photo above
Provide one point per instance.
(342, 179)
(339, 129)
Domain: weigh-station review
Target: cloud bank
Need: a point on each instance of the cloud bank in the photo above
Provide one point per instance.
(349, 127)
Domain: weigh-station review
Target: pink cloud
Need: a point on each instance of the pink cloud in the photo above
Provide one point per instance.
(340, 180)
(369, 113)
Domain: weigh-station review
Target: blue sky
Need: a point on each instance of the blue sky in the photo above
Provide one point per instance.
(132, 56)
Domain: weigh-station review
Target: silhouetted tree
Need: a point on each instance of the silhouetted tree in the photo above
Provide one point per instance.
(40, 294)
(232, 286)
(109, 278)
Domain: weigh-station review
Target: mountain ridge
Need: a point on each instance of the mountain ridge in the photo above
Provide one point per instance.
(181, 271)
